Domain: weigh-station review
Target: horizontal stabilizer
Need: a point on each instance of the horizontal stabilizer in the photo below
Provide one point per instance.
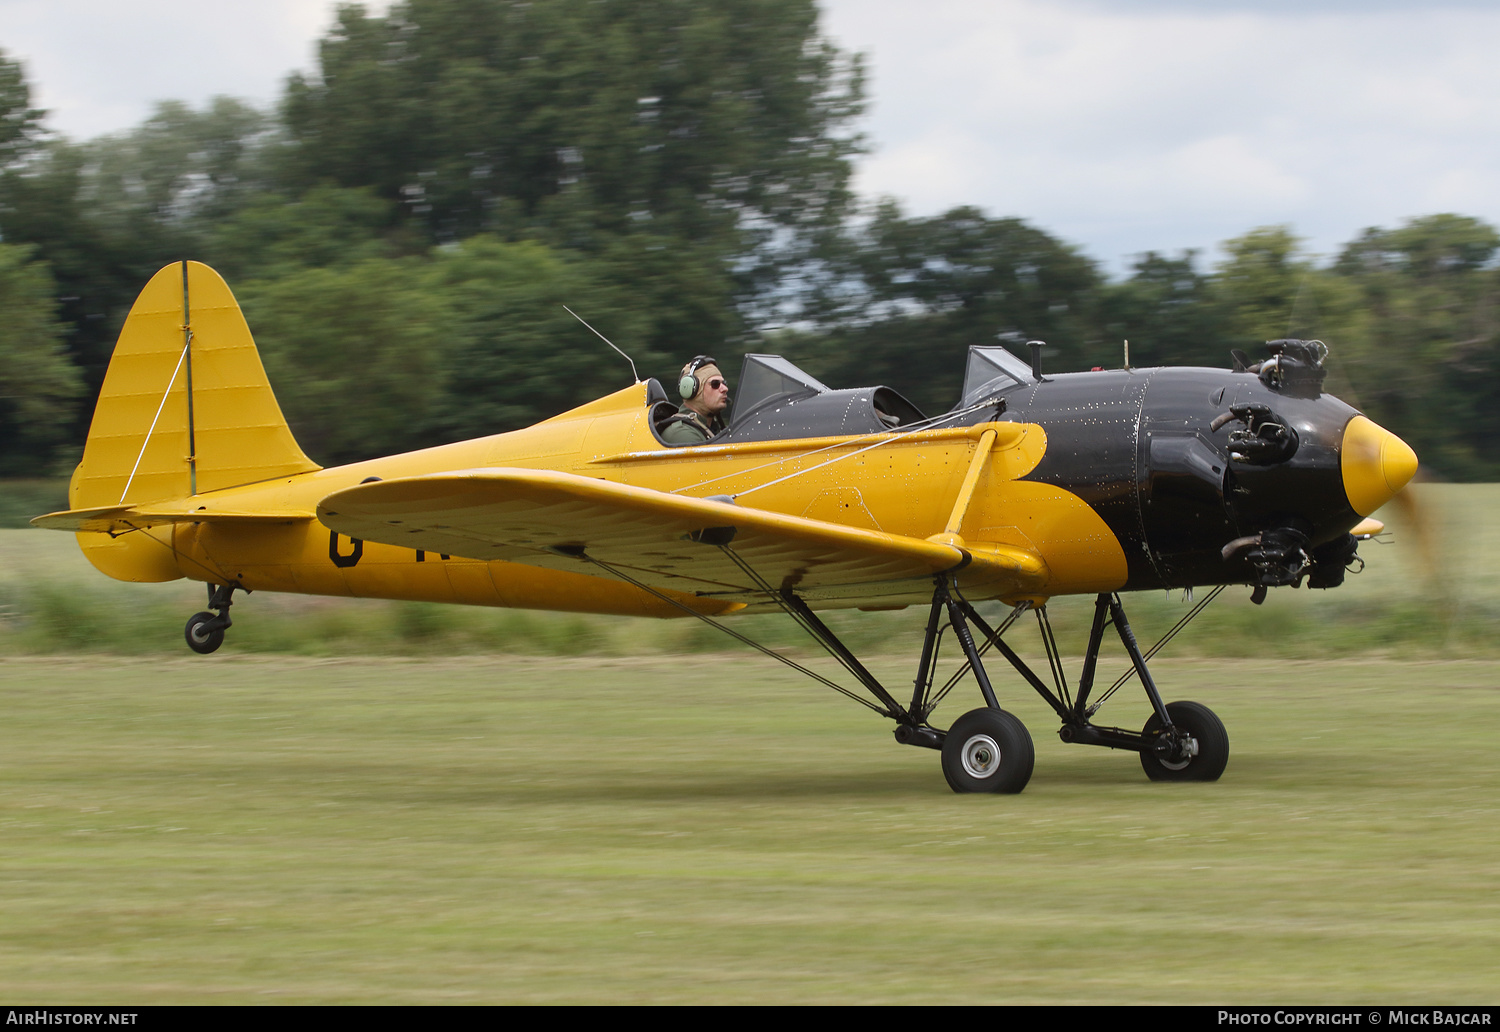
(117, 519)
(560, 520)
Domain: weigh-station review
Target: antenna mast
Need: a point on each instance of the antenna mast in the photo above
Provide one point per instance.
(607, 341)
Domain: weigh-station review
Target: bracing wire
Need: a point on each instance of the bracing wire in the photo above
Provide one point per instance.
(165, 394)
(887, 437)
(1153, 650)
(616, 571)
(989, 641)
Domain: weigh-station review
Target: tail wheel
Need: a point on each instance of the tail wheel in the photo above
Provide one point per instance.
(1199, 751)
(988, 750)
(203, 633)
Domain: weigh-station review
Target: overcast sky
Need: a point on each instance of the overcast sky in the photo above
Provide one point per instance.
(1119, 126)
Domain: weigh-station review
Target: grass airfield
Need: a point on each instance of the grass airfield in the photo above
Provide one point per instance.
(514, 830)
(637, 827)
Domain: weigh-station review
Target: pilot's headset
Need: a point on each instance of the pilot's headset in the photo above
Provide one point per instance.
(689, 386)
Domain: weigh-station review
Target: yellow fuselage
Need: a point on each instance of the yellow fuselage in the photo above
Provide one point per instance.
(905, 484)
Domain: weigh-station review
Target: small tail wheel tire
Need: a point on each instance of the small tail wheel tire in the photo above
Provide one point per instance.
(201, 634)
(1210, 744)
(988, 750)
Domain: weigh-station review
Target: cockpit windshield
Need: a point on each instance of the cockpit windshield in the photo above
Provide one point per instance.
(764, 377)
(990, 371)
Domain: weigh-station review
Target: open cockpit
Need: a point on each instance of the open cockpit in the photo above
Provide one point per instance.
(776, 400)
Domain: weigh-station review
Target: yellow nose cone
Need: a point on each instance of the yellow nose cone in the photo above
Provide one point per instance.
(1376, 464)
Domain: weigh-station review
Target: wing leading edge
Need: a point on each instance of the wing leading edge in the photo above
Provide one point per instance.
(560, 520)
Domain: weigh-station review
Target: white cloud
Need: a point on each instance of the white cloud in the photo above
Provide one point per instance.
(99, 66)
(1160, 126)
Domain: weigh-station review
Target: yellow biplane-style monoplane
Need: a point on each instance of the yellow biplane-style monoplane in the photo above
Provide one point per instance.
(1032, 486)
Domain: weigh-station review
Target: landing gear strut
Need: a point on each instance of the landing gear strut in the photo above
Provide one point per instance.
(1183, 741)
(989, 749)
(205, 631)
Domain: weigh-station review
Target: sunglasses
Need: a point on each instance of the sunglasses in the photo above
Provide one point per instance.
(715, 384)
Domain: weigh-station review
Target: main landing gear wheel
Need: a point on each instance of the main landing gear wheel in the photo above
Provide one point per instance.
(988, 750)
(1207, 752)
(204, 632)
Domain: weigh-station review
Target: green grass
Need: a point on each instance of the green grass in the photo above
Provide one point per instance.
(666, 830)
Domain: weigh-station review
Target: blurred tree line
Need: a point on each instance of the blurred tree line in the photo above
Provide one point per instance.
(404, 229)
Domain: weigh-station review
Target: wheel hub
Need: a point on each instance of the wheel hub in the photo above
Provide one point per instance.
(980, 756)
(1175, 751)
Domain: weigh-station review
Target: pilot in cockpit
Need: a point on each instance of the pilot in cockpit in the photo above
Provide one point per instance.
(705, 399)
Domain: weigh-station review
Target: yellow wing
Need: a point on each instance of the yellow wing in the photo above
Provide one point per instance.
(562, 521)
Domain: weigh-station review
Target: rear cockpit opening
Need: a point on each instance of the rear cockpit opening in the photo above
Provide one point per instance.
(776, 400)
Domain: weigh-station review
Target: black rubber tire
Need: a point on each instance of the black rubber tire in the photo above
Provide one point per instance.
(1206, 728)
(988, 750)
(201, 636)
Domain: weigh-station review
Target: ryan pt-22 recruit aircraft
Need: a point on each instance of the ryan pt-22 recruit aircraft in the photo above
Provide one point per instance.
(1034, 485)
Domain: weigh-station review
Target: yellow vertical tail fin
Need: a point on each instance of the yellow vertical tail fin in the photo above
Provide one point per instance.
(186, 407)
